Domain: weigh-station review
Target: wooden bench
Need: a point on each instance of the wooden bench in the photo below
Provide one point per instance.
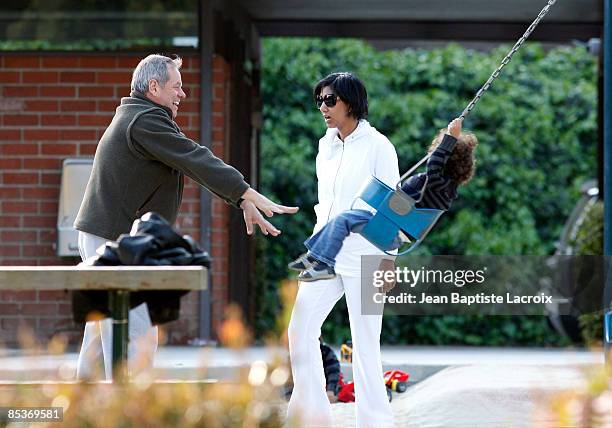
(119, 281)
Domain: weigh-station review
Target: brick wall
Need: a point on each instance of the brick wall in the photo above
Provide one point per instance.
(54, 106)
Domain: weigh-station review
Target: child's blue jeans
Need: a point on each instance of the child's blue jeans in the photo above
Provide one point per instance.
(327, 242)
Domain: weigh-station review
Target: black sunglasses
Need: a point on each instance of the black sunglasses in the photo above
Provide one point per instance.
(329, 100)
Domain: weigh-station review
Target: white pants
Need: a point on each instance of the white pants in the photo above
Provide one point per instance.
(309, 405)
(97, 349)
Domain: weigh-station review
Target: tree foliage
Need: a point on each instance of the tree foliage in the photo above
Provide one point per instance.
(537, 129)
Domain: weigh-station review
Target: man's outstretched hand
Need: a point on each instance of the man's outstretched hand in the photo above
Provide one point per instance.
(253, 203)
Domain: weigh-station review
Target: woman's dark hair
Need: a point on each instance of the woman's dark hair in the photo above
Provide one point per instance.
(350, 89)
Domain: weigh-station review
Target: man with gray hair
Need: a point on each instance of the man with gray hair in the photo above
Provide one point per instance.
(138, 167)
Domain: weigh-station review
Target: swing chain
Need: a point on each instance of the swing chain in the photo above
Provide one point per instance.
(507, 59)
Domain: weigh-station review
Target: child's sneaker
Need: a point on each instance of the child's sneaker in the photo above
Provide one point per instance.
(317, 271)
(301, 263)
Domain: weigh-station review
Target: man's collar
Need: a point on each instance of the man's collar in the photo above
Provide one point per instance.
(140, 96)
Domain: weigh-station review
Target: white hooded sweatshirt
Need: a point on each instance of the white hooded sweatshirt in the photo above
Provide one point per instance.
(342, 169)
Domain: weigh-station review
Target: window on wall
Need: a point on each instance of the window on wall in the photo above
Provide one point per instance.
(97, 24)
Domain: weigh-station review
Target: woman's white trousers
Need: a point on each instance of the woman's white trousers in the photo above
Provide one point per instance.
(309, 404)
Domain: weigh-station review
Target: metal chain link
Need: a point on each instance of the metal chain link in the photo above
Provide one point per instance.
(507, 59)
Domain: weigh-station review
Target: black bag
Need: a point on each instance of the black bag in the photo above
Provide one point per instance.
(151, 242)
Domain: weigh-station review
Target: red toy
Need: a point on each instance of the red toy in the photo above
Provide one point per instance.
(395, 380)
(346, 392)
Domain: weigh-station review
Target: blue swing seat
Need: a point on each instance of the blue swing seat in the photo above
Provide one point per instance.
(395, 211)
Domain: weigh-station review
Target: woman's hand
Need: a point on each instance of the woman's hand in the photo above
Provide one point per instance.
(454, 128)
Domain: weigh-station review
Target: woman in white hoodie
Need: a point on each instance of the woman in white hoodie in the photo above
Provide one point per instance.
(350, 153)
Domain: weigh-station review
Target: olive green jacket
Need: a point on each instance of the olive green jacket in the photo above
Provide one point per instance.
(139, 166)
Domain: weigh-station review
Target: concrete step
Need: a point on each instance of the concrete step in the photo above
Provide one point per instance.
(195, 363)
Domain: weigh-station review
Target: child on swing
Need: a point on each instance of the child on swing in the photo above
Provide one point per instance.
(450, 165)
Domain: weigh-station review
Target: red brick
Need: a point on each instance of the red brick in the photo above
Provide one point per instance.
(18, 149)
(94, 120)
(22, 61)
(190, 78)
(19, 262)
(98, 61)
(39, 308)
(218, 121)
(60, 62)
(47, 221)
(191, 191)
(52, 295)
(41, 193)
(219, 237)
(107, 106)
(218, 62)
(10, 250)
(42, 163)
(64, 309)
(218, 92)
(48, 207)
(193, 92)
(10, 163)
(41, 134)
(18, 295)
(58, 91)
(39, 105)
(115, 77)
(218, 106)
(39, 77)
(10, 221)
(20, 91)
(218, 77)
(59, 149)
(20, 177)
(77, 77)
(58, 120)
(19, 207)
(97, 91)
(87, 149)
(18, 236)
(77, 134)
(189, 106)
(9, 309)
(218, 136)
(195, 136)
(10, 134)
(50, 178)
(64, 261)
(219, 222)
(20, 119)
(78, 106)
(128, 62)
(38, 250)
(9, 77)
(47, 235)
(10, 192)
(182, 121)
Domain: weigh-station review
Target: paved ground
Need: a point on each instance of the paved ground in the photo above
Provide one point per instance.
(452, 386)
(220, 363)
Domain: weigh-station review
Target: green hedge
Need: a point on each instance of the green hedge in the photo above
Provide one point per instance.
(589, 240)
(538, 135)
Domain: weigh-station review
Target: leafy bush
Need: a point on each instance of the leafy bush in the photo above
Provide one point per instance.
(589, 240)
(537, 129)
